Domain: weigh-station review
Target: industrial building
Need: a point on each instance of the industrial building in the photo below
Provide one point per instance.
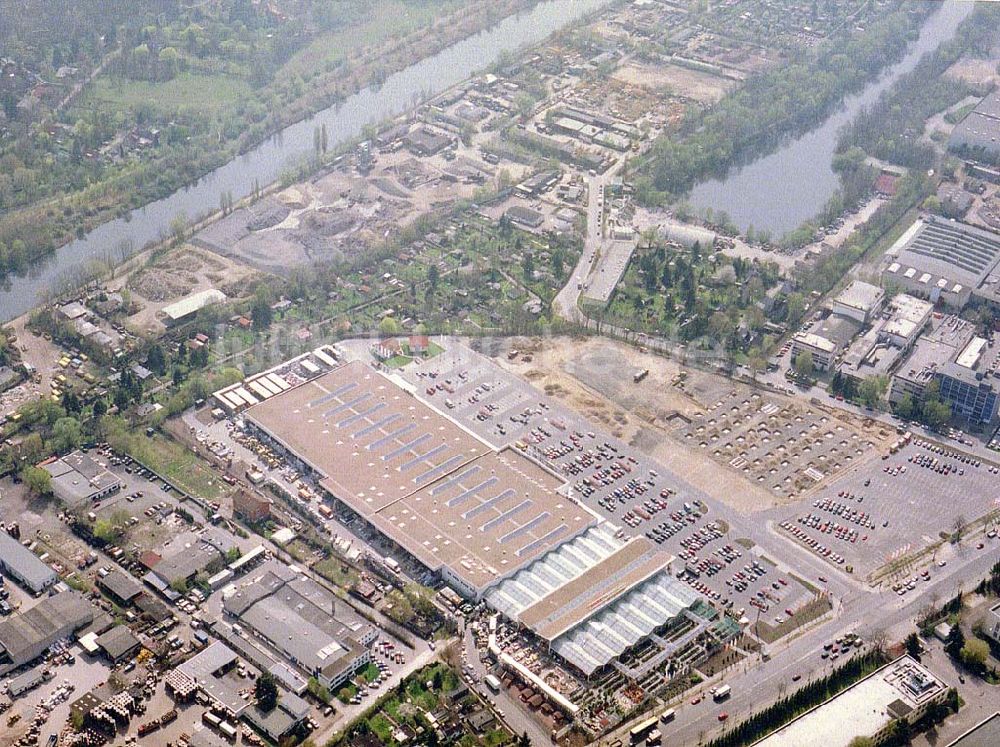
(278, 723)
(942, 342)
(206, 672)
(943, 261)
(185, 309)
(970, 382)
(22, 565)
(462, 510)
(978, 134)
(826, 341)
(879, 350)
(859, 301)
(118, 644)
(901, 690)
(78, 479)
(27, 635)
(185, 557)
(301, 621)
(121, 586)
(259, 387)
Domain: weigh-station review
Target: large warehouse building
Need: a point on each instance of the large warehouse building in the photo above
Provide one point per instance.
(978, 135)
(303, 623)
(944, 261)
(18, 562)
(26, 636)
(463, 510)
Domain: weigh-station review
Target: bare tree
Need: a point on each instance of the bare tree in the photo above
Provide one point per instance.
(959, 526)
(124, 248)
(879, 640)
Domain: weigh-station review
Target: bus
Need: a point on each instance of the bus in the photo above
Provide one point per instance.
(492, 683)
(640, 731)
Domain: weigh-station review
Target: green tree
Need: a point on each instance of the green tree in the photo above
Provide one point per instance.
(861, 742)
(266, 692)
(804, 365)
(974, 653)
(872, 389)
(905, 407)
(37, 480)
(388, 326)
(318, 691)
(66, 434)
(913, 647)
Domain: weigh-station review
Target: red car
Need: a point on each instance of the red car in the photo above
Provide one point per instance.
(696, 699)
(723, 716)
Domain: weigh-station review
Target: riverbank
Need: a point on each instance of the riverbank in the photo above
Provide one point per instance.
(754, 195)
(162, 170)
(350, 119)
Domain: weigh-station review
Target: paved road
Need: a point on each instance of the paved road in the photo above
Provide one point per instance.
(515, 715)
(565, 302)
(866, 613)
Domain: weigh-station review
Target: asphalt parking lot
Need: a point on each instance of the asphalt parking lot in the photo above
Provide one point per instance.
(615, 481)
(876, 514)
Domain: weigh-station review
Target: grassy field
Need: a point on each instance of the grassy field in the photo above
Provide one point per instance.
(170, 459)
(386, 18)
(330, 569)
(206, 93)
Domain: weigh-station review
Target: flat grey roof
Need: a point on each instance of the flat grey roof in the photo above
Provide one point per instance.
(19, 560)
(78, 476)
(861, 295)
(935, 348)
(862, 709)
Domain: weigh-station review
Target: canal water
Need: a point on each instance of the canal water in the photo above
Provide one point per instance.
(780, 191)
(265, 163)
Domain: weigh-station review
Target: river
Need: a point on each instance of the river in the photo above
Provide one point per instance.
(780, 191)
(265, 163)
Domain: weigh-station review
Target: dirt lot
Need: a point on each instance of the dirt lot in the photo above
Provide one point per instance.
(673, 412)
(977, 72)
(178, 274)
(594, 377)
(338, 213)
(680, 81)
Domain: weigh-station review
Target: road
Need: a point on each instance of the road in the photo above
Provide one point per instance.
(514, 713)
(565, 302)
